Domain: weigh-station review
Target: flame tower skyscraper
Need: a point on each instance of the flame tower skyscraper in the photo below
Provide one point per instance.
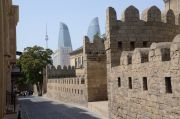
(61, 55)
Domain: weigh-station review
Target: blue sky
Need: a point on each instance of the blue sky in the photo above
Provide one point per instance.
(77, 14)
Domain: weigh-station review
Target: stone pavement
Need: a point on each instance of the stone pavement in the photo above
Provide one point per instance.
(99, 107)
(42, 108)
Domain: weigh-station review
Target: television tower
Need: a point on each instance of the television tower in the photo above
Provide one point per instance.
(46, 38)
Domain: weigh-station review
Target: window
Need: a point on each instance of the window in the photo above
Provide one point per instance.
(79, 62)
(82, 62)
(129, 59)
(77, 81)
(145, 44)
(144, 58)
(120, 45)
(168, 84)
(74, 81)
(75, 63)
(132, 45)
(81, 91)
(119, 82)
(82, 81)
(145, 85)
(130, 83)
(166, 54)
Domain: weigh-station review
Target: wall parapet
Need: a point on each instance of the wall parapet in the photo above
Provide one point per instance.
(158, 52)
(152, 14)
(70, 90)
(59, 72)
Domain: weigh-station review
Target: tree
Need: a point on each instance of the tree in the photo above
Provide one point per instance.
(32, 62)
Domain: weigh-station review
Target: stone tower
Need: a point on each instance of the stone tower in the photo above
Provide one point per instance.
(173, 4)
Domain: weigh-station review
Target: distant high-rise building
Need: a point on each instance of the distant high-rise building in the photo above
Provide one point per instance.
(93, 28)
(61, 55)
(46, 38)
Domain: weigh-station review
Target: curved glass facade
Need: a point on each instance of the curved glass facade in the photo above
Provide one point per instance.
(64, 39)
(61, 56)
(93, 29)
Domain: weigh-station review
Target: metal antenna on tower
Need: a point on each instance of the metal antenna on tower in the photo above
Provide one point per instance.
(46, 38)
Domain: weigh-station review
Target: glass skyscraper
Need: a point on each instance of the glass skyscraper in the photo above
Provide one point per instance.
(93, 29)
(61, 55)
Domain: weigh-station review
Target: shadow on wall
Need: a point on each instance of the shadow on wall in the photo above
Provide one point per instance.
(52, 110)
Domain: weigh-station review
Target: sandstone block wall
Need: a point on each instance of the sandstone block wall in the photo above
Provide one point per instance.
(83, 85)
(134, 32)
(122, 37)
(53, 72)
(8, 21)
(70, 90)
(95, 69)
(146, 83)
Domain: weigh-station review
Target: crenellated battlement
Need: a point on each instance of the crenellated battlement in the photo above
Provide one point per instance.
(59, 72)
(133, 31)
(152, 14)
(70, 89)
(158, 52)
(94, 48)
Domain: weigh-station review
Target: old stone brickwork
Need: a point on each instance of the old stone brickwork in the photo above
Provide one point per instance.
(9, 16)
(131, 31)
(89, 85)
(59, 72)
(95, 68)
(72, 90)
(146, 83)
(137, 65)
(143, 78)
(174, 5)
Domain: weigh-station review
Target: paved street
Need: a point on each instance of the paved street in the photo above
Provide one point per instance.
(41, 108)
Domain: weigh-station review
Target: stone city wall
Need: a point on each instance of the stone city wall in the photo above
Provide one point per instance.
(146, 83)
(70, 90)
(53, 72)
(134, 32)
(95, 68)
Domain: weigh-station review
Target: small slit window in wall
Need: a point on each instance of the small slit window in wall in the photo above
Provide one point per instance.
(145, 43)
(132, 45)
(145, 84)
(119, 82)
(166, 54)
(82, 81)
(120, 45)
(129, 59)
(130, 82)
(168, 84)
(144, 58)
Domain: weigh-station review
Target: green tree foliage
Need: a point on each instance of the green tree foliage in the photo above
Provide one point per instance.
(32, 62)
